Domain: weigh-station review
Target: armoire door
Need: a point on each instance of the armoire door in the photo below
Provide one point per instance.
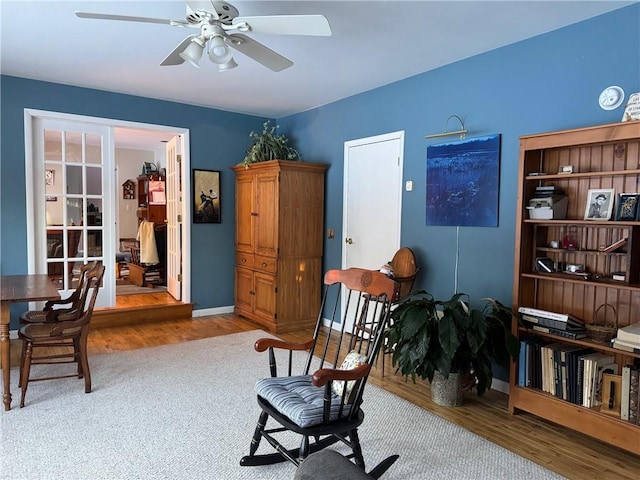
(244, 213)
(267, 211)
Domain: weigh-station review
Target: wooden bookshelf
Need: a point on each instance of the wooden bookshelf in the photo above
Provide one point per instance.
(602, 157)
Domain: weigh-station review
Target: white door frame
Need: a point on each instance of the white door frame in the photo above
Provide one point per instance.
(363, 175)
(391, 187)
(29, 117)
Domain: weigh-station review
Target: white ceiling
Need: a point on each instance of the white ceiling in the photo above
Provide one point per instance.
(373, 43)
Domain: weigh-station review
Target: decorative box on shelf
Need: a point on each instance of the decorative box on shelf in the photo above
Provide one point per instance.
(553, 207)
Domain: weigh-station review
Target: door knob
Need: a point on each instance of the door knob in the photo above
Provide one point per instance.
(349, 240)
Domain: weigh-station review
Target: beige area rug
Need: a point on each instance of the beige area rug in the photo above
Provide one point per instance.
(188, 411)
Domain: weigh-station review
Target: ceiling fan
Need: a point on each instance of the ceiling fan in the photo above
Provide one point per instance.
(221, 27)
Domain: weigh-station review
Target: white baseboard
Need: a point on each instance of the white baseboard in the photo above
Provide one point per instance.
(211, 311)
(500, 386)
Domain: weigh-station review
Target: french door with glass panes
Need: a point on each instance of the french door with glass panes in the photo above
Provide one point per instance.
(71, 212)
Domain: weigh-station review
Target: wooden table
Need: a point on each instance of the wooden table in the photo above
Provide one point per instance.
(15, 289)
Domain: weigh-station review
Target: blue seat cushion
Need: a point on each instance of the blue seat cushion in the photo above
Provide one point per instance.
(298, 399)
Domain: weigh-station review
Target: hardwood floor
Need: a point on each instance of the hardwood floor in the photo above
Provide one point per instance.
(566, 452)
(145, 299)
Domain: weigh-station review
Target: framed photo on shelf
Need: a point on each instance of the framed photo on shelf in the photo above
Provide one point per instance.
(599, 204)
(627, 206)
(206, 196)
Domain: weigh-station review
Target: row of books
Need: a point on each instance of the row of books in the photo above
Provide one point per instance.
(570, 372)
(578, 374)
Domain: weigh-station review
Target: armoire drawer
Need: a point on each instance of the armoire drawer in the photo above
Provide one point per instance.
(265, 264)
(244, 260)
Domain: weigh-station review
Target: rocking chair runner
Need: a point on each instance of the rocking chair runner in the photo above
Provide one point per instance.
(324, 403)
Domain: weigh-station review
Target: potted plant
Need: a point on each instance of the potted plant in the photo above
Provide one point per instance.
(436, 340)
(269, 146)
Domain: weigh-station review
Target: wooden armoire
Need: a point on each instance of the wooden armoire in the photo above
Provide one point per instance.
(279, 243)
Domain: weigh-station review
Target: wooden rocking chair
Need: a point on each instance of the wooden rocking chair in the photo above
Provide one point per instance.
(323, 402)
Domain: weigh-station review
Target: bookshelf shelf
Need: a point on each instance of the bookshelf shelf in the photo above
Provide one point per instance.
(582, 342)
(589, 223)
(586, 420)
(575, 279)
(602, 157)
(564, 176)
(585, 252)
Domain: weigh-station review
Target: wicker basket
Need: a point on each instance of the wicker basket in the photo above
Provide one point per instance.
(602, 332)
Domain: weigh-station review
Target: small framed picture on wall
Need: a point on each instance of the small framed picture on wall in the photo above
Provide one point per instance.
(206, 196)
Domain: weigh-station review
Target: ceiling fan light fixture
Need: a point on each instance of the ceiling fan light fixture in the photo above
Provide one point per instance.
(227, 66)
(219, 52)
(193, 53)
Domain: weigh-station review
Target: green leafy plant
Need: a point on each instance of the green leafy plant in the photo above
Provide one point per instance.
(448, 336)
(268, 145)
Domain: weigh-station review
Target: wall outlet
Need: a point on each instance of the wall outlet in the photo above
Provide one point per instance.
(408, 186)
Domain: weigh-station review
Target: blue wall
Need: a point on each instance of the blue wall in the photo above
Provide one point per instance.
(550, 82)
(218, 141)
(546, 83)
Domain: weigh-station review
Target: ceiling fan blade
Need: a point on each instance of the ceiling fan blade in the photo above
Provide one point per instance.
(126, 18)
(174, 57)
(287, 24)
(261, 54)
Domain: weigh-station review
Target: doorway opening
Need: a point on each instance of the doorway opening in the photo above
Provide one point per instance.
(372, 197)
(141, 163)
(113, 139)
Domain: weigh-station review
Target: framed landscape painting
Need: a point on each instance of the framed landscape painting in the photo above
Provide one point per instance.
(206, 196)
(463, 182)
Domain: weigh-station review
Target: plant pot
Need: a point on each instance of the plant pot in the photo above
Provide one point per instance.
(446, 391)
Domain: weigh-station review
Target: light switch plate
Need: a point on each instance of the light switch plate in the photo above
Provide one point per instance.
(408, 185)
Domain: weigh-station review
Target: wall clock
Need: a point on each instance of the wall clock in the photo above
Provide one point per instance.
(611, 98)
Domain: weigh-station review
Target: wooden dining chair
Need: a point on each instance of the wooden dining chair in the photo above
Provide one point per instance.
(322, 403)
(54, 308)
(63, 341)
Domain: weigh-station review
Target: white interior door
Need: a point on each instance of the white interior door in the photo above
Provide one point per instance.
(70, 209)
(174, 217)
(372, 200)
